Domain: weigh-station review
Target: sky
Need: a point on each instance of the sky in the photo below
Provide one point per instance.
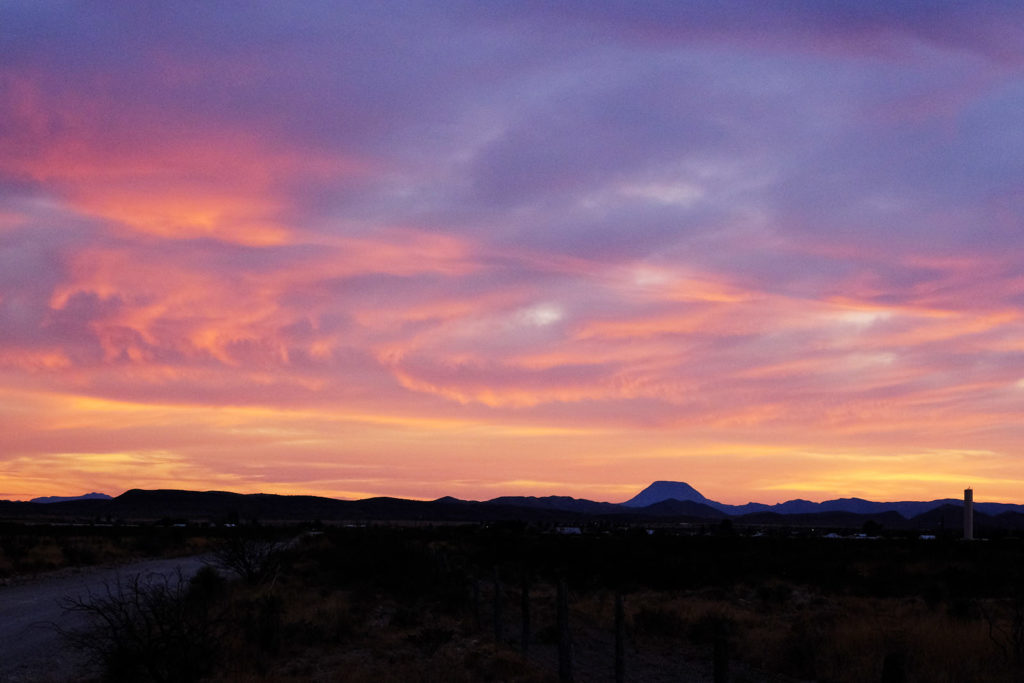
(416, 249)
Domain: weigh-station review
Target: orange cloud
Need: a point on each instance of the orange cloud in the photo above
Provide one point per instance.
(153, 174)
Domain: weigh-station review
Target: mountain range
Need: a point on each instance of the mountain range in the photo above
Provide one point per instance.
(677, 490)
(64, 499)
(661, 501)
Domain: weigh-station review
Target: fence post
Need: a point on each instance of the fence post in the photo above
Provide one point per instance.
(620, 639)
(525, 604)
(894, 667)
(720, 656)
(564, 639)
(476, 604)
(499, 634)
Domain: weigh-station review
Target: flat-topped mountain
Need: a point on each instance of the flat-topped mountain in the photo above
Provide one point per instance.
(665, 490)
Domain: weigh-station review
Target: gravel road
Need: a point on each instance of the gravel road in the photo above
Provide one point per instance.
(30, 647)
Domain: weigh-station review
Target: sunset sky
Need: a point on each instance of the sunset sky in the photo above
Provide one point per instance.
(417, 249)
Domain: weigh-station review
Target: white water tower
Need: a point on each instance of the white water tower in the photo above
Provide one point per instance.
(968, 514)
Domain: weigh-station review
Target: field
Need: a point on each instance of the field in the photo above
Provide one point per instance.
(447, 603)
(31, 549)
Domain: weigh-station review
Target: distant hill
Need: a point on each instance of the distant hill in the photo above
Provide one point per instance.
(564, 503)
(682, 508)
(949, 516)
(64, 499)
(837, 519)
(225, 506)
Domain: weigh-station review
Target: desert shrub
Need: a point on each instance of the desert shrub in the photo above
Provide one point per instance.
(775, 592)
(155, 628)
(207, 586)
(964, 609)
(712, 626)
(1005, 620)
(42, 556)
(407, 615)
(251, 558)
(29, 552)
(934, 593)
(430, 638)
(264, 623)
(81, 551)
(659, 622)
(496, 664)
(16, 546)
(806, 641)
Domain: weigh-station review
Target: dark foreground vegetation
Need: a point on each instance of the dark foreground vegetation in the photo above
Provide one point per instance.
(30, 549)
(508, 602)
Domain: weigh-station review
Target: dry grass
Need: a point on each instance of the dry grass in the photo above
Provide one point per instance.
(338, 635)
(381, 606)
(23, 552)
(776, 630)
(812, 636)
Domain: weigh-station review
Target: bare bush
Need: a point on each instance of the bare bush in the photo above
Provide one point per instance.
(1005, 620)
(149, 628)
(250, 558)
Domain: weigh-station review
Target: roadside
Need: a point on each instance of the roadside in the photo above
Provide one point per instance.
(31, 649)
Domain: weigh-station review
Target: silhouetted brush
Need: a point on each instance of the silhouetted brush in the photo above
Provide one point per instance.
(620, 640)
(525, 608)
(564, 638)
(498, 623)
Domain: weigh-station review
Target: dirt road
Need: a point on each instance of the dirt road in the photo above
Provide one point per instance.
(30, 647)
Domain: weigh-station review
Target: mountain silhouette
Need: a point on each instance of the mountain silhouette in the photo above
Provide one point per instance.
(565, 503)
(682, 508)
(908, 509)
(661, 501)
(665, 490)
(64, 499)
